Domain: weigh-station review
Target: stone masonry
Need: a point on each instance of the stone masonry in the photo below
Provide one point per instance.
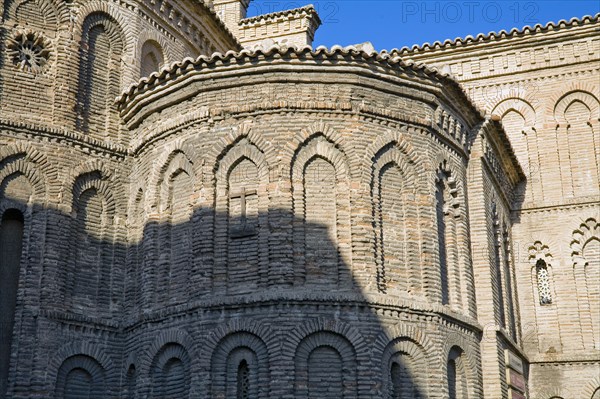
(196, 204)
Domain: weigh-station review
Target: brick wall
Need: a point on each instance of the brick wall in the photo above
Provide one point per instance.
(546, 94)
(246, 227)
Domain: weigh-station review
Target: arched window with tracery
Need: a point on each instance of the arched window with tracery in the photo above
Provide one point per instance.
(543, 282)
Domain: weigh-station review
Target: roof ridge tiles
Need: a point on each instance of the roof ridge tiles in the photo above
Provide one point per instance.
(181, 67)
(307, 8)
(502, 34)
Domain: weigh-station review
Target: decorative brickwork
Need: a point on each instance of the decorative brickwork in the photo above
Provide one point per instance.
(286, 222)
(99, 74)
(152, 57)
(30, 51)
(171, 372)
(80, 376)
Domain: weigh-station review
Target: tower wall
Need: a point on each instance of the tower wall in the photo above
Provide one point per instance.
(543, 85)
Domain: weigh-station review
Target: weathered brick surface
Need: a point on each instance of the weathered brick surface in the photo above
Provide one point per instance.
(544, 87)
(287, 223)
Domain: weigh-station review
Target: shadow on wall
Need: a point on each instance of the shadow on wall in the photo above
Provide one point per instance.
(266, 299)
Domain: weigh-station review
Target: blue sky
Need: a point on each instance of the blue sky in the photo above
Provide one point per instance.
(397, 23)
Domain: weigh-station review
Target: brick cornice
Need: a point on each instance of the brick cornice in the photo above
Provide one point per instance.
(421, 310)
(62, 136)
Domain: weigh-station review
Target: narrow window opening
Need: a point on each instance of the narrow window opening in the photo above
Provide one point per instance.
(396, 381)
(497, 270)
(451, 370)
(441, 229)
(11, 246)
(510, 298)
(243, 380)
(131, 382)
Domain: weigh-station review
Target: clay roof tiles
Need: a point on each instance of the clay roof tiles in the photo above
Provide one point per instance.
(308, 9)
(492, 36)
(188, 65)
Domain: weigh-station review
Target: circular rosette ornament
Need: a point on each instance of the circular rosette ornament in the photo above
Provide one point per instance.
(30, 51)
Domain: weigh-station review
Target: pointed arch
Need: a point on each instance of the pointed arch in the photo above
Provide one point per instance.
(320, 186)
(577, 116)
(395, 191)
(155, 179)
(110, 187)
(131, 381)
(175, 205)
(399, 139)
(91, 248)
(236, 134)
(135, 250)
(23, 195)
(176, 164)
(561, 105)
(241, 209)
(519, 105)
(304, 136)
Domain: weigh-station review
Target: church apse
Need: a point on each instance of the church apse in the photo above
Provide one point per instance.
(285, 254)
